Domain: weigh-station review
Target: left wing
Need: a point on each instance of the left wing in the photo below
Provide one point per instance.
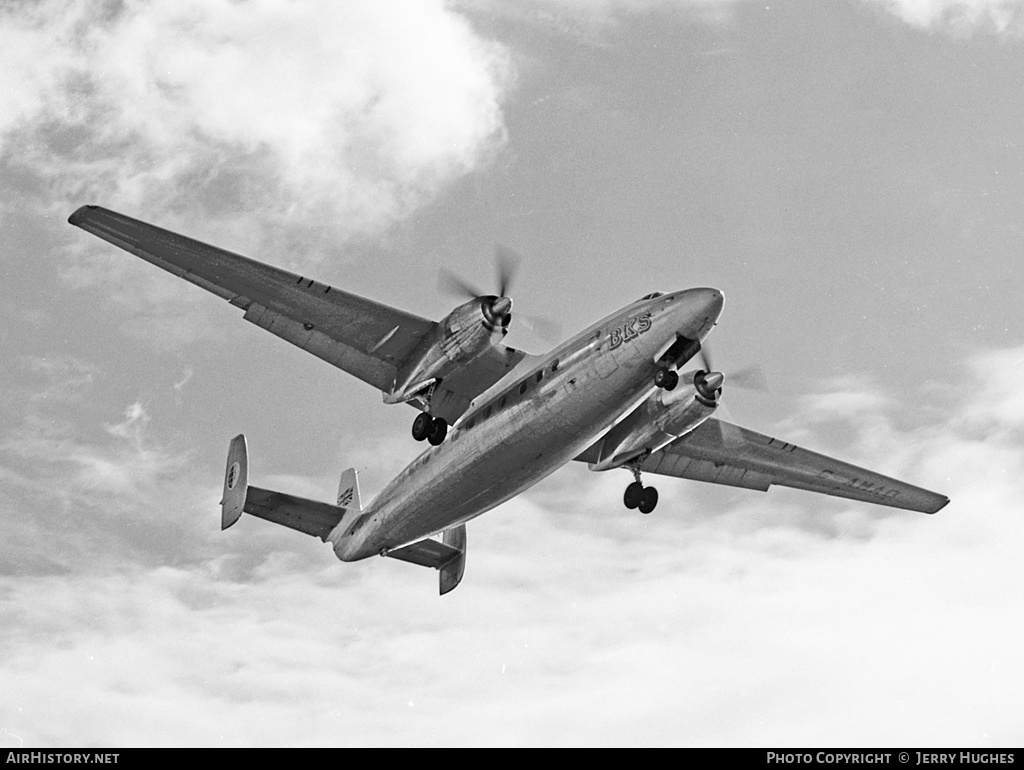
(364, 338)
(722, 453)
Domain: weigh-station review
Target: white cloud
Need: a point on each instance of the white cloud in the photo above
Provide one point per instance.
(353, 112)
(960, 17)
(1002, 375)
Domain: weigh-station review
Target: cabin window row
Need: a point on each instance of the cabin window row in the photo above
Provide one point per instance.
(523, 387)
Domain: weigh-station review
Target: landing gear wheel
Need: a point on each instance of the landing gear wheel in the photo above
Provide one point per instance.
(673, 380)
(634, 494)
(648, 500)
(439, 431)
(422, 426)
(663, 377)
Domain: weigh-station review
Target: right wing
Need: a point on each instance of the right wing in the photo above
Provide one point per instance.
(722, 453)
(367, 339)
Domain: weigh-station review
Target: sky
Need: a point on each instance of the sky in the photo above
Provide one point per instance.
(850, 173)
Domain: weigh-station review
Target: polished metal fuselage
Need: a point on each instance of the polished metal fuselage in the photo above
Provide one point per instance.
(539, 417)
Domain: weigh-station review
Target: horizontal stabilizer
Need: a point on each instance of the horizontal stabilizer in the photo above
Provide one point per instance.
(448, 556)
(298, 513)
(426, 553)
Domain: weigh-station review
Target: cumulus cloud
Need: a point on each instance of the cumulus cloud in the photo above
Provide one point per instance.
(351, 112)
(960, 17)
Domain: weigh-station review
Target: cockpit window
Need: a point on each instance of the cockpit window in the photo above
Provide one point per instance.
(652, 295)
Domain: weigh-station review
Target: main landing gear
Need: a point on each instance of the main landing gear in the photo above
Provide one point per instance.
(639, 496)
(666, 378)
(433, 429)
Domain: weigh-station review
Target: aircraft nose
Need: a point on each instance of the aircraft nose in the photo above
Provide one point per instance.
(711, 299)
(700, 310)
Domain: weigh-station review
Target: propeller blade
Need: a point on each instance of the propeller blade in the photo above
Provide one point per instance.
(545, 328)
(507, 263)
(705, 357)
(749, 378)
(729, 433)
(450, 283)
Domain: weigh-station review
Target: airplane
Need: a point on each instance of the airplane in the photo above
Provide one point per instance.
(497, 420)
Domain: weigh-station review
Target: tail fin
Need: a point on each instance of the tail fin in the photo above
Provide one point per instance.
(348, 491)
(451, 573)
(236, 482)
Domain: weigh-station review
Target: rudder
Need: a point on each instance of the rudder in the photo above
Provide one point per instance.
(236, 482)
(452, 572)
(348, 491)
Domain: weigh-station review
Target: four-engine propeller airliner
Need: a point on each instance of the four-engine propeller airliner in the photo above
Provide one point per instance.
(497, 420)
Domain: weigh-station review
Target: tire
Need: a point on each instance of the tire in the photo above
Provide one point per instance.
(673, 380)
(648, 500)
(440, 430)
(422, 426)
(634, 494)
(661, 379)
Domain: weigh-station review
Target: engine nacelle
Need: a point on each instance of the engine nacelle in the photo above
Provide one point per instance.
(463, 335)
(660, 420)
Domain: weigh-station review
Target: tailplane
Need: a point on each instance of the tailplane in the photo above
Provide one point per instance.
(298, 513)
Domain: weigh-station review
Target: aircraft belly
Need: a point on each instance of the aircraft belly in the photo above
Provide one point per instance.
(477, 469)
(463, 479)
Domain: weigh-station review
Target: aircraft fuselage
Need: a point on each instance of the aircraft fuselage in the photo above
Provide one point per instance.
(537, 418)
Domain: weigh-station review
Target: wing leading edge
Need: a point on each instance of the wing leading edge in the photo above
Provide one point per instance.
(364, 338)
(722, 453)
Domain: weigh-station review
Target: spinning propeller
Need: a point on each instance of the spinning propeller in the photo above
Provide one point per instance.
(497, 308)
(709, 383)
(747, 378)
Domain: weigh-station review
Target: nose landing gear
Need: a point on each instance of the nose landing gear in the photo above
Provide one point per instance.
(433, 429)
(639, 496)
(666, 378)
